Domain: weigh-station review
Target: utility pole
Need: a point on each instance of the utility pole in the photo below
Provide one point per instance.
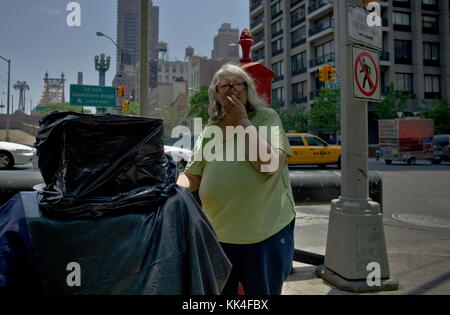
(7, 102)
(356, 255)
(143, 64)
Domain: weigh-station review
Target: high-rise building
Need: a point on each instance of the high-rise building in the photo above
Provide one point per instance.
(226, 43)
(128, 30)
(296, 37)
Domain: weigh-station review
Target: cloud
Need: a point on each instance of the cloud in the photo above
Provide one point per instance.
(51, 11)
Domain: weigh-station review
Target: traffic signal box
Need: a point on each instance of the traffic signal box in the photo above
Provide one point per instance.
(327, 74)
(125, 106)
(121, 90)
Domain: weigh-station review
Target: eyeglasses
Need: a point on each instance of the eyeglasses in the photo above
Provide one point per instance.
(224, 88)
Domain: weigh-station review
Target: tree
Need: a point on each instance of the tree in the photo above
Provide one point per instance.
(199, 103)
(441, 116)
(324, 114)
(172, 116)
(133, 109)
(293, 118)
(392, 102)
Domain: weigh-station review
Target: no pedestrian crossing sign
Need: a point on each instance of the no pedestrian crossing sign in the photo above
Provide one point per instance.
(366, 74)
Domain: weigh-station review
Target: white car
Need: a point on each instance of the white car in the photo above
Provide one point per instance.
(179, 155)
(12, 154)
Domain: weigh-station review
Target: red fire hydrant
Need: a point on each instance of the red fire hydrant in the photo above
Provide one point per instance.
(261, 75)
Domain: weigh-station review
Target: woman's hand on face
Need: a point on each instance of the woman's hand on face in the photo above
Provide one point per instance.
(234, 110)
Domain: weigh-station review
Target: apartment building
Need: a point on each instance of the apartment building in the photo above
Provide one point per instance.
(296, 37)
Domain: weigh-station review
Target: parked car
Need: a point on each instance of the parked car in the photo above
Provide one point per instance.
(441, 150)
(179, 155)
(308, 149)
(13, 154)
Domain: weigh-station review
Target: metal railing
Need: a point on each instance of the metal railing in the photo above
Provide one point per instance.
(329, 23)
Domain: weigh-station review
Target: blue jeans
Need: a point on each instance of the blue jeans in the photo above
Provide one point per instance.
(261, 267)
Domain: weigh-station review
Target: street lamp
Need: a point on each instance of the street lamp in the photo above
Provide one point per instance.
(100, 34)
(7, 102)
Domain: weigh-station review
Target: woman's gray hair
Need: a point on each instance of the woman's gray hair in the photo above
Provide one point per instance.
(254, 101)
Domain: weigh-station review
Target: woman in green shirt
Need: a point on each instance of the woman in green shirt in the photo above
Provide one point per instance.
(239, 167)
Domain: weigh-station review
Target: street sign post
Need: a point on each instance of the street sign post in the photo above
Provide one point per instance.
(92, 95)
(366, 74)
(356, 245)
(359, 31)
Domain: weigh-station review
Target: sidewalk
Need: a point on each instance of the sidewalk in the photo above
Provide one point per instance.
(419, 258)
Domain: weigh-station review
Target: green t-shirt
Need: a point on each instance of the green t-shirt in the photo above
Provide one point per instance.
(244, 206)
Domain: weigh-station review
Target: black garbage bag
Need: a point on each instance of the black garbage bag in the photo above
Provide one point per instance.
(98, 164)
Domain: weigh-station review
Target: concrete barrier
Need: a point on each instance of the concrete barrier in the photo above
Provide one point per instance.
(323, 186)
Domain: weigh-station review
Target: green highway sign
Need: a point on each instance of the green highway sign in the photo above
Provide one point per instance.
(92, 95)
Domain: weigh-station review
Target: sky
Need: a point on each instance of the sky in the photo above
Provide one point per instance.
(35, 36)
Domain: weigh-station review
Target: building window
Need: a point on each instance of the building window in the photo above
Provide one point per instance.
(299, 93)
(324, 54)
(404, 82)
(298, 37)
(279, 71)
(431, 54)
(402, 21)
(277, 47)
(430, 5)
(258, 54)
(276, 9)
(430, 24)
(402, 3)
(298, 62)
(298, 16)
(277, 28)
(277, 96)
(432, 86)
(258, 37)
(403, 52)
(322, 24)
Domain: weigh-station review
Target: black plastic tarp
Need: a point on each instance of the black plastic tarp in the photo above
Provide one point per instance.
(171, 250)
(94, 164)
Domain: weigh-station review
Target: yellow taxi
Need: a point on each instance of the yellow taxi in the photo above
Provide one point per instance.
(308, 149)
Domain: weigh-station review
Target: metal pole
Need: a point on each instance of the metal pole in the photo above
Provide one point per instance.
(355, 236)
(143, 65)
(7, 110)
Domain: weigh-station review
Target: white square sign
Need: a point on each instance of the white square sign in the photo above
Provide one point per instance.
(366, 74)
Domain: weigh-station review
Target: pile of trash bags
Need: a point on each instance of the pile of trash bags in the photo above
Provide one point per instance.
(109, 218)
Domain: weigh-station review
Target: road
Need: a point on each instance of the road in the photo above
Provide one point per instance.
(416, 221)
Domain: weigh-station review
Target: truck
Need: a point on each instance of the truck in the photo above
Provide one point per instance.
(406, 140)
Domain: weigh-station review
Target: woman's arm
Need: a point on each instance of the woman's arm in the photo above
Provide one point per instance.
(189, 181)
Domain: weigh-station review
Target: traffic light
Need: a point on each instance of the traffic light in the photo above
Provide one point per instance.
(331, 74)
(121, 90)
(322, 74)
(125, 106)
